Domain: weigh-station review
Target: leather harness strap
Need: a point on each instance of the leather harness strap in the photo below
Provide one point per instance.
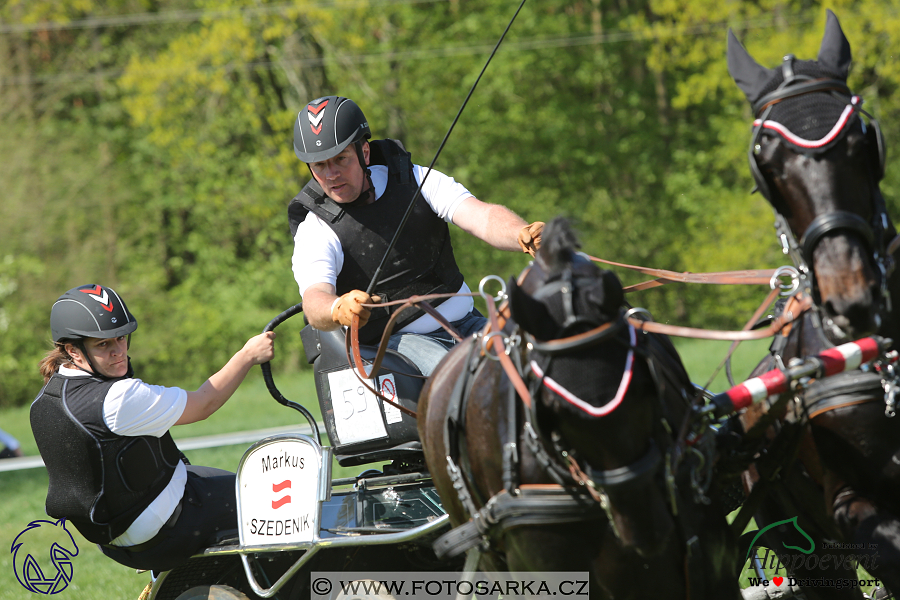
(746, 277)
(842, 390)
(777, 324)
(544, 504)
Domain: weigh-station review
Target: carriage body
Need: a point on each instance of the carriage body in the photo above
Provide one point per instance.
(294, 519)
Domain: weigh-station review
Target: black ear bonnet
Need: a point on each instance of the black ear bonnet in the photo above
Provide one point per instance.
(806, 102)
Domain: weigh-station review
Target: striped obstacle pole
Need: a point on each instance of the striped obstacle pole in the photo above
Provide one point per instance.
(839, 359)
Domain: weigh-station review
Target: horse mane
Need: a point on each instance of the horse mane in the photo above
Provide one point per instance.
(558, 244)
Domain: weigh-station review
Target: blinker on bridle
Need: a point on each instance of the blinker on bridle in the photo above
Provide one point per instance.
(873, 234)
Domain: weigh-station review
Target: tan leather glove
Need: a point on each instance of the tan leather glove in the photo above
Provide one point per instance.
(530, 237)
(350, 304)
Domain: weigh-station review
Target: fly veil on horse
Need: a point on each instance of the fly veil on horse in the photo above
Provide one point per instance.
(573, 473)
(819, 163)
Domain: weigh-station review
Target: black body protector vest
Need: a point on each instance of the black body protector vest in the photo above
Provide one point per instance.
(420, 263)
(99, 481)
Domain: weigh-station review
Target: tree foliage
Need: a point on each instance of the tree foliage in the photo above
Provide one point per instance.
(147, 146)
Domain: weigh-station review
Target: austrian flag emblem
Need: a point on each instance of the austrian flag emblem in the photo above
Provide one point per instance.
(315, 115)
(286, 499)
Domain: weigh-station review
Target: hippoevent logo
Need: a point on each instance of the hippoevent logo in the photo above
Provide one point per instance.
(830, 559)
(42, 557)
(756, 535)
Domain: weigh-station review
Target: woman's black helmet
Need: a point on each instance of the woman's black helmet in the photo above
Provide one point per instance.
(326, 126)
(90, 311)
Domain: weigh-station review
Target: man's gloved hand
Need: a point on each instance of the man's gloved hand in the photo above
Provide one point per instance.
(350, 304)
(530, 237)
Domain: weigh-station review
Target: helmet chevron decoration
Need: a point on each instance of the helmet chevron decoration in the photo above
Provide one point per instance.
(326, 126)
(92, 311)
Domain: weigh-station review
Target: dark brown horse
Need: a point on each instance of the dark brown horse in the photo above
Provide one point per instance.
(577, 475)
(830, 456)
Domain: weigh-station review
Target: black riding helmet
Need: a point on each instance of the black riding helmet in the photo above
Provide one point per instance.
(90, 311)
(326, 126)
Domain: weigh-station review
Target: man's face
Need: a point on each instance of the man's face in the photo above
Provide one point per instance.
(110, 355)
(342, 177)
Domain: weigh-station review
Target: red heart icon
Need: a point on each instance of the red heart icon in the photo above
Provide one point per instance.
(777, 580)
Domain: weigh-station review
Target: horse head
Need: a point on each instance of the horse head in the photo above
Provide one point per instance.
(595, 405)
(818, 162)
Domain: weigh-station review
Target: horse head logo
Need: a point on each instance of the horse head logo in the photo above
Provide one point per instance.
(42, 556)
(753, 536)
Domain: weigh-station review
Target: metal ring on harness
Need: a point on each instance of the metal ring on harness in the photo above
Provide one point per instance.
(487, 338)
(501, 296)
(633, 312)
(785, 271)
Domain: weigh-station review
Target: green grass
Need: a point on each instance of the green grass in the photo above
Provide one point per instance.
(703, 358)
(22, 493)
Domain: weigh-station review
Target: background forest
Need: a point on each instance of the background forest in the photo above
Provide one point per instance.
(146, 145)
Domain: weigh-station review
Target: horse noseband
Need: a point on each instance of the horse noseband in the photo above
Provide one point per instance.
(830, 222)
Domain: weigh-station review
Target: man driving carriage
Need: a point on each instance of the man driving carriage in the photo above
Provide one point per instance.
(344, 218)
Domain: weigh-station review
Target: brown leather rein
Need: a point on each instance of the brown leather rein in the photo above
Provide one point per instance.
(492, 335)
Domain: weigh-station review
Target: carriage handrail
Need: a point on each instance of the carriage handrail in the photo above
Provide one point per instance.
(839, 359)
(267, 371)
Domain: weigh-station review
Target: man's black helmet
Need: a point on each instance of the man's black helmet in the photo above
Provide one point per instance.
(326, 126)
(90, 311)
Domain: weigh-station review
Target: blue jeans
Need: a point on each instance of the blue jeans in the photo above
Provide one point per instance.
(427, 349)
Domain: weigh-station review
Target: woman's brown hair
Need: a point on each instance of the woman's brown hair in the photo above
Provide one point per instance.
(54, 359)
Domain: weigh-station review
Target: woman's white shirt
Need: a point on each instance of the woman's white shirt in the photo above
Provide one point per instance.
(135, 408)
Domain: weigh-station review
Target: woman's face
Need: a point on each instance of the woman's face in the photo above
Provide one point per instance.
(109, 356)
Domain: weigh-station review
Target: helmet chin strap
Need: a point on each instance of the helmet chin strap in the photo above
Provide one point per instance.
(84, 353)
(95, 372)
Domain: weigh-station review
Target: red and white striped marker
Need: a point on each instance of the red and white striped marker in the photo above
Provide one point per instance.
(845, 357)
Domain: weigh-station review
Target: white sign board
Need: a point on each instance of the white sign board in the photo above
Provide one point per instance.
(357, 416)
(278, 492)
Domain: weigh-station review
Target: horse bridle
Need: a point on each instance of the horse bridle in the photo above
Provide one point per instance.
(559, 463)
(874, 234)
